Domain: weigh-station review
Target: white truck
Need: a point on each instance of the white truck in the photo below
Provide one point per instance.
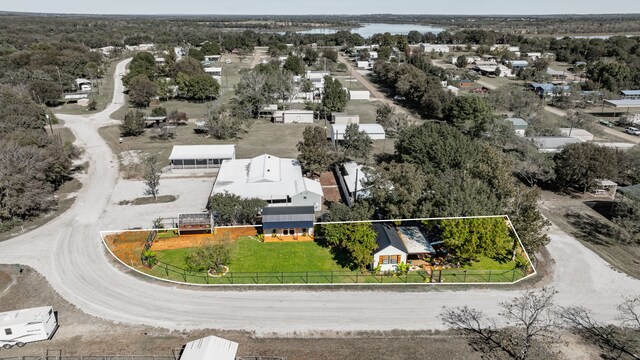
(27, 325)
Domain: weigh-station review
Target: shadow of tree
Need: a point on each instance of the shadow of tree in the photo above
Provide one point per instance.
(591, 229)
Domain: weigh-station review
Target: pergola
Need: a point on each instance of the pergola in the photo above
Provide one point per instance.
(195, 223)
(628, 104)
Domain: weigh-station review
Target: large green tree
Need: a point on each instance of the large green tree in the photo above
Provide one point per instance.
(578, 166)
(468, 239)
(356, 241)
(231, 209)
(470, 114)
(335, 98)
(198, 87)
(315, 151)
(133, 123)
(142, 90)
(143, 63)
(357, 144)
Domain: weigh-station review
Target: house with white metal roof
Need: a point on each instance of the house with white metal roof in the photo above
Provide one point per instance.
(552, 144)
(201, 156)
(375, 131)
(276, 180)
(630, 94)
(210, 348)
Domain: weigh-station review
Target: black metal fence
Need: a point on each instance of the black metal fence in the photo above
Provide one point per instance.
(174, 273)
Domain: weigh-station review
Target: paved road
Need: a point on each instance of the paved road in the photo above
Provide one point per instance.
(67, 251)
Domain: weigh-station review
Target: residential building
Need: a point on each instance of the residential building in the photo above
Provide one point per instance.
(201, 156)
(212, 58)
(355, 179)
(516, 65)
(342, 118)
(288, 220)
(519, 125)
(552, 144)
(630, 94)
(581, 134)
(270, 178)
(548, 89)
(293, 116)
(375, 131)
(215, 72)
(359, 94)
(428, 48)
(210, 348)
(390, 250)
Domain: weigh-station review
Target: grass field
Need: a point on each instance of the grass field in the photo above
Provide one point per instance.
(261, 137)
(250, 255)
(366, 110)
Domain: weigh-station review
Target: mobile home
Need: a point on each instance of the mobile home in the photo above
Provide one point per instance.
(28, 325)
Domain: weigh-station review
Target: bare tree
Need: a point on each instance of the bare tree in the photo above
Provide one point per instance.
(530, 324)
(617, 341)
(152, 173)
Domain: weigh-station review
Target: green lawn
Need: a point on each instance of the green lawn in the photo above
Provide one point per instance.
(250, 255)
(485, 263)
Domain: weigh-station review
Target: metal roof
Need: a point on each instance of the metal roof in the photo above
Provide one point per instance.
(388, 236)
(518, 123)
(630, 92)
(623, 103)
(188, 152)
(286, 214)
(553, 142)
(210, 348)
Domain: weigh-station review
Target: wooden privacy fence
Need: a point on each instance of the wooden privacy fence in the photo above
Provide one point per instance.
(175, 273)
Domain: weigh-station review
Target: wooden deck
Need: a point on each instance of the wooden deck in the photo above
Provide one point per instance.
(288, 238)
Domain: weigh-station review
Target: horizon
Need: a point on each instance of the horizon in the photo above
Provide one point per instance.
(327, 7)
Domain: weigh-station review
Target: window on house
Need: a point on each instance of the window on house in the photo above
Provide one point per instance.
(385, 259)
(8, 331)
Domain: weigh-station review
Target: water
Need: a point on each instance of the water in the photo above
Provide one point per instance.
(367, 30)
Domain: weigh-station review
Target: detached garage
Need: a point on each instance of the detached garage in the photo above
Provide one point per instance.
(375, 131)
(297, 117)
(201, 156)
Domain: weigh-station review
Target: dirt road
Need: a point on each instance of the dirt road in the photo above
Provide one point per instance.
(68, 252)
(376, 94)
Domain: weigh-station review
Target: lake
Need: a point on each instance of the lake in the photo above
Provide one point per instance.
(367, 30)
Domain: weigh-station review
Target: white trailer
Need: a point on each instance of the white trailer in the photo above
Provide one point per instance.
(28, 325)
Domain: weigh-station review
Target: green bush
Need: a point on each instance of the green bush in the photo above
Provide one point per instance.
(208, 257)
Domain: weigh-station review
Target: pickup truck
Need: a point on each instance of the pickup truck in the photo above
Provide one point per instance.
(632, 131)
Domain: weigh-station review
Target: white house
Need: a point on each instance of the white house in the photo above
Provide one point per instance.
(210, 348)
(216, 72)
(160, 60)
(344, 118)
(390, 251)
(581, 134)
(375, 131)
(434, 48)
(27, 325)
(201, 156)
(359, 95)
(270, 178)
(293, 117)
(366, 65)
(552, 144)
(83, 85)
(373, 55)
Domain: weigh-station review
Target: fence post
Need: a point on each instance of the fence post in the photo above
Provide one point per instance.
(332, 277)
(257, 278)
(357, 277)
(440, 276)
(307, 278)
(489, 275)
(166, 269)
(184, 275)
(282, 277)
(513, 275)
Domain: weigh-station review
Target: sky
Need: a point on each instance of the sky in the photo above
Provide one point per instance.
(289, 7)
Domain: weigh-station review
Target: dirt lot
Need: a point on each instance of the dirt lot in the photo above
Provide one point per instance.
(81, 334)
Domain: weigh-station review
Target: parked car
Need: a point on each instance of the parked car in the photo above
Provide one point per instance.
(606, 123)
(633, 131)
(399, 98)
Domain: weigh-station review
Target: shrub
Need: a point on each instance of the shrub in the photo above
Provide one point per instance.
(207, 257)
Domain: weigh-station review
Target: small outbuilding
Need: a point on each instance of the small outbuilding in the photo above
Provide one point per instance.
(288, 220)
(201, 156)
(519, 125)
(210, 348)
(83, 85)
(375, 131)
(198, 223)
(359, 95)
(296, 117)
(342, 118)
(552, 144)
